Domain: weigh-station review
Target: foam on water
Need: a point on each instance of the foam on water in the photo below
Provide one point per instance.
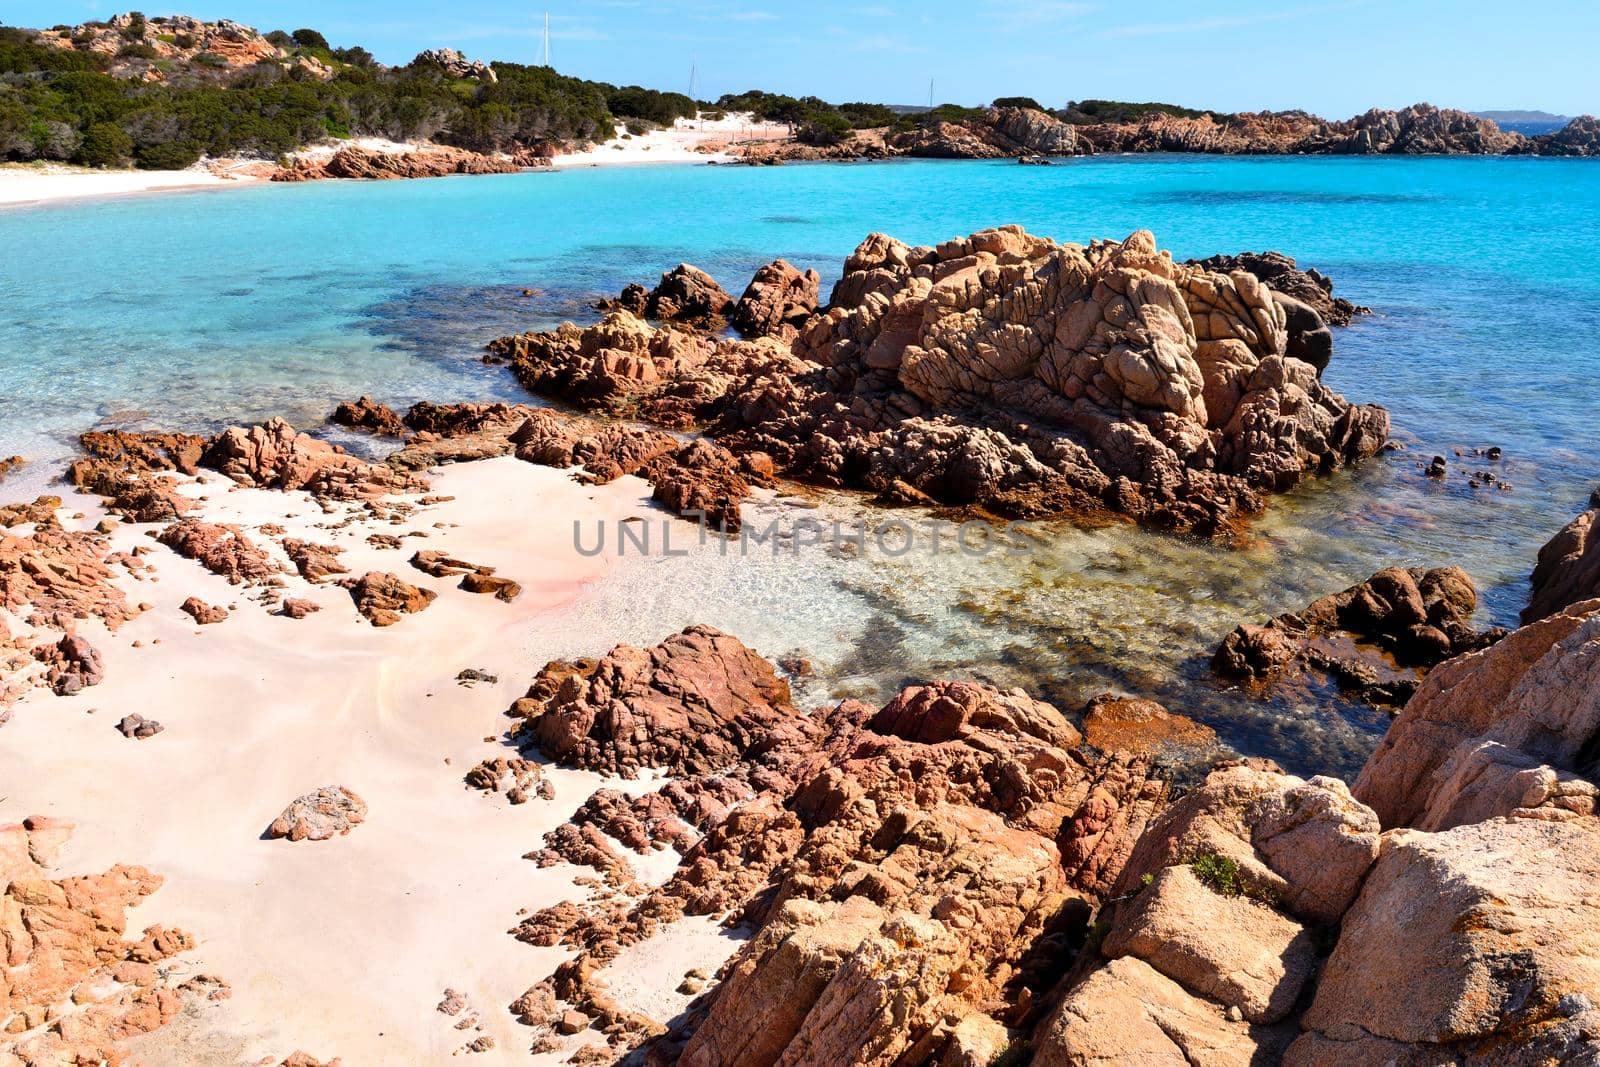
(194, 311)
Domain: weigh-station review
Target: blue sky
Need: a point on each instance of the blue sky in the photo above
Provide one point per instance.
(1335, 58)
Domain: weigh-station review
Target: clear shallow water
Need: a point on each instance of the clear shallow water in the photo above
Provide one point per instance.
(195, 310)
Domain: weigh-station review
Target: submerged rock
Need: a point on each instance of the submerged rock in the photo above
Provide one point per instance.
(1364, 636)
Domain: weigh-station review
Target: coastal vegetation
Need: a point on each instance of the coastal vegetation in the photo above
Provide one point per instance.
(67, 105)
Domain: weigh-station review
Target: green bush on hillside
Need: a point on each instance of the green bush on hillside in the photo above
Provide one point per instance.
(1091, 112)
(1017, 101)
(104, 144)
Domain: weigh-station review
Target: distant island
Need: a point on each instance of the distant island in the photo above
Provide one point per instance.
(1503, 117)
(170, 93)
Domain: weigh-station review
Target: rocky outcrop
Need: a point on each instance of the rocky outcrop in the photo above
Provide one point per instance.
(221, 548)
(10, 464)
(329, 812)
(914, 869)
(383, 597)
(275, 456)
(1007, 371)
(1568, 570)
(1002, 371)
(453, 64)
(693, 704)
(370, 416)
(1580, 137)
(202, 613)
(1509, 730)
(434, 161)
(685, 294)
(153, 49)
(1262, 918)
(1376, 639)
(778, 302)
(73, 987)
(1306, 297)
(1420, 129)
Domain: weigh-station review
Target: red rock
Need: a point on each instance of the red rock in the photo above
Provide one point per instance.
(369, 415)
(1568, 570)
(220, 548)
(297, 608)
(383, 597)
(203, 613)
(779, 300)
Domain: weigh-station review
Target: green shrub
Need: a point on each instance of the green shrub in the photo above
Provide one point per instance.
(864, 116)
(1096, 936)
(823, 128)
(173, 155)
(137, 51)
(1221, 875)
(1017, 101)
(1088, 112)
(104, 144)
(310, 39)
(183, 40)
(1016, 1054)
(210, 59)
(134, 30)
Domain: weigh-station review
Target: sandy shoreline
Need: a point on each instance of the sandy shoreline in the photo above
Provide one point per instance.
(341, 947)
(28, 186)
(687, 141)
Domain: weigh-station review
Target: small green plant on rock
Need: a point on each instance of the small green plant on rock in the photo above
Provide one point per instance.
(1015, 1054)
(1221, 875)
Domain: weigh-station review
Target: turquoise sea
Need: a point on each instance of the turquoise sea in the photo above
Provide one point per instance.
(196, 310)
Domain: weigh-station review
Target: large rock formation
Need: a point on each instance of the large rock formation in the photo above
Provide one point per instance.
(73, 987)
(1568, 570)
(914, 872)
(777, 303)
(1580, 137)
(685, 294)
(1512, 729)
(436, 161)
(453, 64)
(1000, 370)
(153, 49)
(1265, 919)
(1377, 638)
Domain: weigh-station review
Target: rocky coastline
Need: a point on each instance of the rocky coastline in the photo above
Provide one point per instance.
(1028, 134)
(961, 874)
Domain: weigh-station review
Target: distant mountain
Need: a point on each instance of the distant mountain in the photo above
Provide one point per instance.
(1503, 117)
